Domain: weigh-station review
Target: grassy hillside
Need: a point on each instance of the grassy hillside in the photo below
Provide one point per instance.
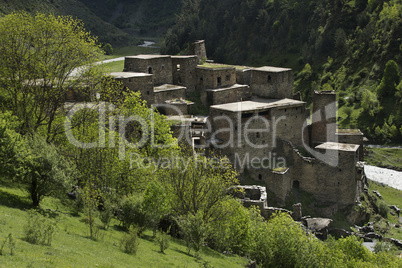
(105, 31)
(71, 246)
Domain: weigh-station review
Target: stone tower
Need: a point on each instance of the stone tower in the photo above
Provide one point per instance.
(324, 117)
(198, 48)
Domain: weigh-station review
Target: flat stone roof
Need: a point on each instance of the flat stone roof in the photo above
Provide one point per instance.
(257, 104)
(147, 56)
(272, 69)
(128, 74)
(184, 57)
(167, 87)
(216, 66)
(338, 146)
(349, 132)
(227, 88)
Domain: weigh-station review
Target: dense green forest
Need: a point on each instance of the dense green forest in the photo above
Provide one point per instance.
(119, 22)
(331, 45)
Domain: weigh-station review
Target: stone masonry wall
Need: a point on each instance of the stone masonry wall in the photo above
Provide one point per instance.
(198, 48)
(209, 78)
(159, 66)
(353, 138)
(163, 95)
(324, 117)
(273, 85)
(339, 185)
(234, 93)
(259, 140)
(243, 77)
(183, 71)
(143, 84)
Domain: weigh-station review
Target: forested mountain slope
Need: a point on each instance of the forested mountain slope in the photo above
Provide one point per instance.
(106, 32)
(331, 44)
(119, 22)
(150, 17)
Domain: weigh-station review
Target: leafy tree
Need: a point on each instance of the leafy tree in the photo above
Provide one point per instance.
(389, 81)
(156, 204)
(197, 183)
(40, 55)
(11, 145)
(45, 172)
(108, 49)
(370, 103)
(193, 230)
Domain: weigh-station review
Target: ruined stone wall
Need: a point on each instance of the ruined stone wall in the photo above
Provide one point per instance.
(159, 66)
(273, 85)
(227, 95)
(184, 73)
(324, 117)
(209, 78)
(333, 187)
(163, 95)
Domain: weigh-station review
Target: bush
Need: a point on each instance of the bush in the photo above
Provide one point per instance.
(163, 240)
(383, 209)
(10, 242)
(130, 241)
(193, 230)
(106, 214)
(108, 49)
(132, 212)
(229, 228)
(39, 230)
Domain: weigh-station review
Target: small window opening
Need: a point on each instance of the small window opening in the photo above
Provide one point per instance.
(150, 70)
(296, 185)
(219, 81)
(269, 78)
(257, 134)
(260, 177)
(147, 92)
(228, 77)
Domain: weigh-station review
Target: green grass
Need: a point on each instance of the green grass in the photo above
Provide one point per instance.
(72, 247)
(392, 197)
(384, 157)
(115, 66)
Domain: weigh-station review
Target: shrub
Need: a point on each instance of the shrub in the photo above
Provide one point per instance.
(163, 240)
(107, 214)
(132, 212)
(108, 49)
(130, 241)
(383, 209)
(10, 242)
(38, 229)
(193, 230)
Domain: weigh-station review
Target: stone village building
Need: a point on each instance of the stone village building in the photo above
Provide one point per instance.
(254, 117)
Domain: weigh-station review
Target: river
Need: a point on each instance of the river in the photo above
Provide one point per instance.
(383, 175)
